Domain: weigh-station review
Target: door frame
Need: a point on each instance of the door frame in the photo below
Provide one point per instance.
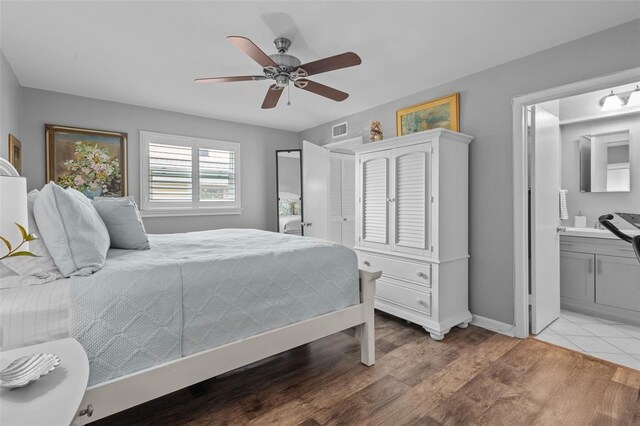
(520, 179)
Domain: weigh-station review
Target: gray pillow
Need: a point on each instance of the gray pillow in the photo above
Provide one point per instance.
(71, 229)
(122, 218)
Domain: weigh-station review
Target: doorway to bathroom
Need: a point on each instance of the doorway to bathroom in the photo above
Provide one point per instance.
(576, 157)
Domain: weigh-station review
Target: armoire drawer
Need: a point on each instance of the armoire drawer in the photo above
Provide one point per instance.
(412, 299)
(419, 273)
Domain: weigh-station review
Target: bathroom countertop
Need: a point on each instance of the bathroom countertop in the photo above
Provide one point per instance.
(596, 233)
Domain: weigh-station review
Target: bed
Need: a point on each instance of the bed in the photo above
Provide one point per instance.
(194, 306)
(289, 213)
(291, 224)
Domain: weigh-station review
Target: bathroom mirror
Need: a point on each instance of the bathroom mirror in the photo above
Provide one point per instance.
(289, 191)
(604, 162)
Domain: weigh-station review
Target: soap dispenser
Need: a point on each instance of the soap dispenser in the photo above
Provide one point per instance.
(580, 221)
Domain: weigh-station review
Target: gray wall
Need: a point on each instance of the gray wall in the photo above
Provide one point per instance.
(486, 114)
(594, 204)
(258, 151)
(9, 105)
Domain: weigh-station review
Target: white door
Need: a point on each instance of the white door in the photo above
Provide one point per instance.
(545, 217)
(334, 219)
(349, 201)
(315, 178)
(373, 199)
(342, 199)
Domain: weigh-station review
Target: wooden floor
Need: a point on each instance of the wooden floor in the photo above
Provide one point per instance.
(472, 377)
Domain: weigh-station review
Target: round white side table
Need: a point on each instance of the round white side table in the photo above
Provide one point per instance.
(53, 399)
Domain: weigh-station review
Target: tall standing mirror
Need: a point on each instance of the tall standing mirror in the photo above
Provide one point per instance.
(289, 190)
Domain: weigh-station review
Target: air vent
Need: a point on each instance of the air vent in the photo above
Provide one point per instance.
(339, 130)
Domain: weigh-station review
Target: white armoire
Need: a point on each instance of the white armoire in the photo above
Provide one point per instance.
(412, 223)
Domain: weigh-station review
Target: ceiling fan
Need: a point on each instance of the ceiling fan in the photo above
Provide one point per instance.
(285, 68)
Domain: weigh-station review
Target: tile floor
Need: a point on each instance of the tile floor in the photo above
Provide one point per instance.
(598, 337)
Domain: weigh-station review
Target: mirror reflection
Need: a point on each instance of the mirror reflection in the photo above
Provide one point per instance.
(289, 190)
(604, 162)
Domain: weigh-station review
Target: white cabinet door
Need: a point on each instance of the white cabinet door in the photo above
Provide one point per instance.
(411, 199)
(374, 199)
(577, 280)
(618, 282)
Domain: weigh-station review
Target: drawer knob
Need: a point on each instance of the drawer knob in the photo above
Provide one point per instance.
(422, 275)
(366, 263)
(421, 302)
(86, 411)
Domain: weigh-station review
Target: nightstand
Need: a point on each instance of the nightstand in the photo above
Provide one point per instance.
(53, 399)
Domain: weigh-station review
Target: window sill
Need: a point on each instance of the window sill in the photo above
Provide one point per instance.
(220, 211)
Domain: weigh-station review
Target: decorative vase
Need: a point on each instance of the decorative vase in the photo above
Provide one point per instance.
(375, 131)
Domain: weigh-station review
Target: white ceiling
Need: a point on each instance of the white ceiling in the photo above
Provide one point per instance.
(147, 53)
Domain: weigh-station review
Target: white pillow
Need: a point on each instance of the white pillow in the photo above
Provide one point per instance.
(42, 266)
(71, 228)
(123, 221)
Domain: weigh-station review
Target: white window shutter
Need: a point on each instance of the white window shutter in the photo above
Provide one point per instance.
(374, 200)
(170, 172)
(410, 203)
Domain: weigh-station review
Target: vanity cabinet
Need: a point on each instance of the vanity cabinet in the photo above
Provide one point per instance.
(412, 224)
(618, 282)
(577, 276)
(600, 277)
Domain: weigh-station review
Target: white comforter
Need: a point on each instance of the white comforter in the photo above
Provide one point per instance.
(199, 290)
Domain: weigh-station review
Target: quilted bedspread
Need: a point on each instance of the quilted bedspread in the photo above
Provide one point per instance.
(199, 290)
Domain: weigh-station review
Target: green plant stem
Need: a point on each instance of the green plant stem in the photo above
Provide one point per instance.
(13, 251)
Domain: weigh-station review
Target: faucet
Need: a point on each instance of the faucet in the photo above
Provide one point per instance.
(598, 225)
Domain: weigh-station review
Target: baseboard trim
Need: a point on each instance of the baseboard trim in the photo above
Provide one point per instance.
(493, 325)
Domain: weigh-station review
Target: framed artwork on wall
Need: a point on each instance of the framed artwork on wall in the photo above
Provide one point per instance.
(92, 161)
(437, 113)
(15, 153)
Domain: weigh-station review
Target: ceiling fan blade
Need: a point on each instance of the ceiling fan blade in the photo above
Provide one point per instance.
(322, 90)
(344, 60)
(273, 95)
(230, 79)
(254, 52)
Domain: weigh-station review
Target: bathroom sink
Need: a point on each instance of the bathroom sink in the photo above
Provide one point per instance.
(596, 233)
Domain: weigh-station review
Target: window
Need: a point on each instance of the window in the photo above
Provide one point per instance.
(184, 175)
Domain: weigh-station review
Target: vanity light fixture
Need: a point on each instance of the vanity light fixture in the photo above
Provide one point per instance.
(634, 98)
(612, 102)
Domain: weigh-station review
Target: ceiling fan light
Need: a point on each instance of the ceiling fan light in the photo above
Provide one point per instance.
(634, 98)
(612, 102)
(282, 80)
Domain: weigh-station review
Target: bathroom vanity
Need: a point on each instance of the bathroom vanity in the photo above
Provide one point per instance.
(599, 275)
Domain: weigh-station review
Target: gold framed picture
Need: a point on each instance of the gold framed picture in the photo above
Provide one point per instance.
(434, 114)
(15, 153)
(92, 161)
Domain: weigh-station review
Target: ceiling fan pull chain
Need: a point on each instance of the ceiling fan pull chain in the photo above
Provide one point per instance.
(288, 95)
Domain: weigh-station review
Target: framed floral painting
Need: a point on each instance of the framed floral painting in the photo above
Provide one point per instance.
(92, 161)
(434, 114)
(15, 153)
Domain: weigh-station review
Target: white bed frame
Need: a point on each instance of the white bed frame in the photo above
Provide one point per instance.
(116, 395)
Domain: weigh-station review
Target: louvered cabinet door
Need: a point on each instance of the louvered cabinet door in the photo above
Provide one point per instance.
(373, 199)
(411, 199)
